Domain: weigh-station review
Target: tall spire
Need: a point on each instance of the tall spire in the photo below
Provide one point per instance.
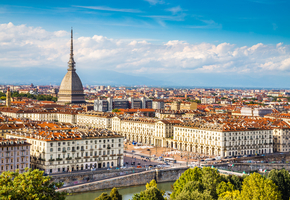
(71, 62)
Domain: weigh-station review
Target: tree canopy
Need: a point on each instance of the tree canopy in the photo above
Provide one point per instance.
(281, 178)
(203, 180)
(28, 185)
(151, 193)
(207, 184)
(114, 195)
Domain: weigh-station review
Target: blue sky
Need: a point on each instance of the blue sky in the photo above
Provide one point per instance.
(155, 39)
(243, 22)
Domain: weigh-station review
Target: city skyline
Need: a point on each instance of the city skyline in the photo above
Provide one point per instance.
(164, 43)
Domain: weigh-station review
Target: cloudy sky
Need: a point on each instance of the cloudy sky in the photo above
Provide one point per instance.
(152, 42)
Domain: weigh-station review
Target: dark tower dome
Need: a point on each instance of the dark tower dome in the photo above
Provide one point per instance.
(71, 87)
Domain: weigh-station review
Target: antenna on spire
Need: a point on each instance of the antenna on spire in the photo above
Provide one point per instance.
(71, 62)
(71, 43)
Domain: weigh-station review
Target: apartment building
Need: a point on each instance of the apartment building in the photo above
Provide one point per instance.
(109, 104)
(208, 100)
(148, 131)
(62, 149)
(95, 120)
(14, 154)
(61, 115)
(222, 140)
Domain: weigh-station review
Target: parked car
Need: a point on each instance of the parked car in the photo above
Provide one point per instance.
(139, 166)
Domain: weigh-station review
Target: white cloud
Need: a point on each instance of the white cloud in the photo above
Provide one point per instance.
(24, 46)
(175, 10)
(105, 8)
(154, 2)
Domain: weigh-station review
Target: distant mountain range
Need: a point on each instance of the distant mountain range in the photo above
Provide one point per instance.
(45, 76)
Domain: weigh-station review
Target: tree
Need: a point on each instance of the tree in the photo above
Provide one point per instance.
(194, 195)
(114, 194)
(210, 179)
(257, 187)
(29, 185)
(151, 184)
(224, 187)
(116, 110)
(204, 180)
(281, 178)
(103, 196)
(189, 175)
(152, 193)
(233, 195)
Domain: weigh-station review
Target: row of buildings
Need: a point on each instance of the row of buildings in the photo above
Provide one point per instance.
(59, 147)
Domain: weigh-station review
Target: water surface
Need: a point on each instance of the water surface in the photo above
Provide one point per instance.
(127, 192)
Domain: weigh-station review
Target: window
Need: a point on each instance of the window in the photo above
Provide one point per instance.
(51, 149)
(51, 144)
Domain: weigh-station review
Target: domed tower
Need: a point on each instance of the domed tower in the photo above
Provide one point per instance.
(71, 87)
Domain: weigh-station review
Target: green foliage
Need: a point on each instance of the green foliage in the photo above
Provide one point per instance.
(189, 175)
(234, 195)
(116, 110)
(152, 193)
(151, 184)
(194, 195)
(103, 196)
(224, 187)
(2, 94)
(114, 195)
(203, 180)
(29, 185)
(40, 97)
(281, 178)
(257, 187)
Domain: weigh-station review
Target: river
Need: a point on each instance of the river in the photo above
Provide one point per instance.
(126, 192)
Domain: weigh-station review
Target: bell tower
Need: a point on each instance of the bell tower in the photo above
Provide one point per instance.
(8, 98)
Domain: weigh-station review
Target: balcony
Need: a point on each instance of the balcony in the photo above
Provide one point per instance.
(82, 149)
(68, 158)
(51, 160)
(104, 155)
(92, 149)
(77, 158)
(119, 154)
(73, 150)
(108, 147)
(59, 159)
(95, 156)
(87, 157)
(63, 151)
